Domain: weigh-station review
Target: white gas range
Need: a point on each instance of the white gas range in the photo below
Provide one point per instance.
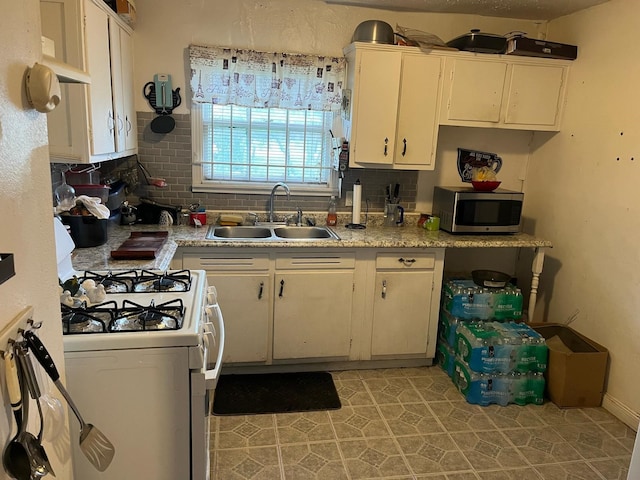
(143, 365)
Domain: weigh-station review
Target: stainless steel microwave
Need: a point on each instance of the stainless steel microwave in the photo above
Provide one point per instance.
(465, 210)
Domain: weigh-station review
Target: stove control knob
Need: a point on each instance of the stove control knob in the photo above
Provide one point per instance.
(212, 296)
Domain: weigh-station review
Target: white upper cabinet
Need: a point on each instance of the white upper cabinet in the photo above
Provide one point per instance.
(475, 90)
(393, 116)
(503, 92)
(94, 122)
(102, 126)
(397, 97)
(535, 96)
(122, 81)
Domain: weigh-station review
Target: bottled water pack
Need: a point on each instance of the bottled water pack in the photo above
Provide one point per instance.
(502, 389)
(495, 347)
(467, 301)
(446, 357)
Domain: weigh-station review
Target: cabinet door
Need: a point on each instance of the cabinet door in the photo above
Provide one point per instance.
(375, 107)
(401, 312)
(474, 91)
(535, 95)
(67, 124)
(102, 129)
(312, 314)
(122, 79)
(417, 126)
(245, 303)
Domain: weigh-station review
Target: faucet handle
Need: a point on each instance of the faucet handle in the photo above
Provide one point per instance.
(253, 217)
(299, 216)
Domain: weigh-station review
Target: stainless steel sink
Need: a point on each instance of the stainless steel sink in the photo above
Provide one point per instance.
(276, 232)
(239, 232)
(304, 233)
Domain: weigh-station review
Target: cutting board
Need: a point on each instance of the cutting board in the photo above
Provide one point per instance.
(140, 245)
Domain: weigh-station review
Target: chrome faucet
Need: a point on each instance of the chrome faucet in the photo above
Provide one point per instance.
(272, 198)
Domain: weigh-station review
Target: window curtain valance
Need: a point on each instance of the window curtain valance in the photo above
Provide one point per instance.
(248, 78)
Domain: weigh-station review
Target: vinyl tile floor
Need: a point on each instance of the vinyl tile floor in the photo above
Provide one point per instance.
(412, 423)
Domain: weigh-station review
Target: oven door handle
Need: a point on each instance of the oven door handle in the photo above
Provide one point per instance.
(211, 375)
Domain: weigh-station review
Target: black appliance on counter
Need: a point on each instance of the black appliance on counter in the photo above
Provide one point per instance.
(148, 211)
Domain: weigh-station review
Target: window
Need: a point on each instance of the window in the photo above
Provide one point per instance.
(259, 118)
(245, 149)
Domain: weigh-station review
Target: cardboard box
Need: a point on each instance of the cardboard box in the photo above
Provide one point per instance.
(577, 366)
(126, 9)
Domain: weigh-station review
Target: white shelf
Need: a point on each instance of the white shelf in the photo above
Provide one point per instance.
(66, 73)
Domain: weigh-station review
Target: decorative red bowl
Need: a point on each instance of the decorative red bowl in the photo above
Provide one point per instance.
(486, 186)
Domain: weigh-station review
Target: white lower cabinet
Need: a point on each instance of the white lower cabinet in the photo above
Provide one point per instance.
(244, 287)
(315, 305)
(404, 284)
(312, 306)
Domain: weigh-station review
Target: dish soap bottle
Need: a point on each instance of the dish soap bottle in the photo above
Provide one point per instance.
(332, 216)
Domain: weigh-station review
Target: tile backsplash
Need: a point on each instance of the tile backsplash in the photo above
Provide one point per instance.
(168, 156)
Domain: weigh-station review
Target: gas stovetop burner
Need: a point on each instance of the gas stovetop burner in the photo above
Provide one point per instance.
(83, 319)
(163, 282)
(120, 282)
(134, 317)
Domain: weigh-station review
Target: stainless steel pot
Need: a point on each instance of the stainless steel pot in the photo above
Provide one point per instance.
(374, 31)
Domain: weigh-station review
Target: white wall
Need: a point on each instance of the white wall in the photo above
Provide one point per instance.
(26, 217)
(582, 192)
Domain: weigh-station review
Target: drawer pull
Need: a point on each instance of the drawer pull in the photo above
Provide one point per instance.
(407, 261)
(386, 143)
(384, 289)
(281, 288)
(260, 291)
(404, 147)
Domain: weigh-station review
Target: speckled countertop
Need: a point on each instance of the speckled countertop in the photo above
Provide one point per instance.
(408, 236)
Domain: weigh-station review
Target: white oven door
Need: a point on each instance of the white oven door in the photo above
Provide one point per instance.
(203, 384)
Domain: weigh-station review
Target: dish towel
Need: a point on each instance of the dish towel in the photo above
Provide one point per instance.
(93, 204)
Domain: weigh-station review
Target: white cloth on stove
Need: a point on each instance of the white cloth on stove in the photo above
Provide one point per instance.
(93, 204)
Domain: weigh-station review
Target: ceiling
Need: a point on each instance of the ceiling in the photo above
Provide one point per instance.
(522, 9)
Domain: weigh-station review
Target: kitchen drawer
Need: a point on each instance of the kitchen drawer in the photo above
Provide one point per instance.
(226, 262)
(296, 261)
(405, 260)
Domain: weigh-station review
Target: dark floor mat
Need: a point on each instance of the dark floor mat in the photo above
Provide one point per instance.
(275, 393)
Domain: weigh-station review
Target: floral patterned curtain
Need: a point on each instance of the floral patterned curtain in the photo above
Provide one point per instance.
(261, 79)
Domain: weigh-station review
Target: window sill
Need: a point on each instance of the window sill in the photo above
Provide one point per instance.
(264, 189)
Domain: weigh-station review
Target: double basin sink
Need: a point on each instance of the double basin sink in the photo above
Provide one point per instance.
(271, 232)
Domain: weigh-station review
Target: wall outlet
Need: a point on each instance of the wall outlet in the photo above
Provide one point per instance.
(348, 200)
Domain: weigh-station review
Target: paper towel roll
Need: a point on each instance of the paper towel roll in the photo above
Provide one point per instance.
(357, 200)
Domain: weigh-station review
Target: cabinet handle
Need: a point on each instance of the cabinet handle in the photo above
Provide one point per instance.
(120, 124)
(404, 147)
(260, 291)
(111, 123)
(386, 143)
(128, 124)
(384, 289)
(281, 288)
(407, 261)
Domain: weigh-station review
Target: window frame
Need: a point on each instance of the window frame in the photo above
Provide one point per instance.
(201, 185)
